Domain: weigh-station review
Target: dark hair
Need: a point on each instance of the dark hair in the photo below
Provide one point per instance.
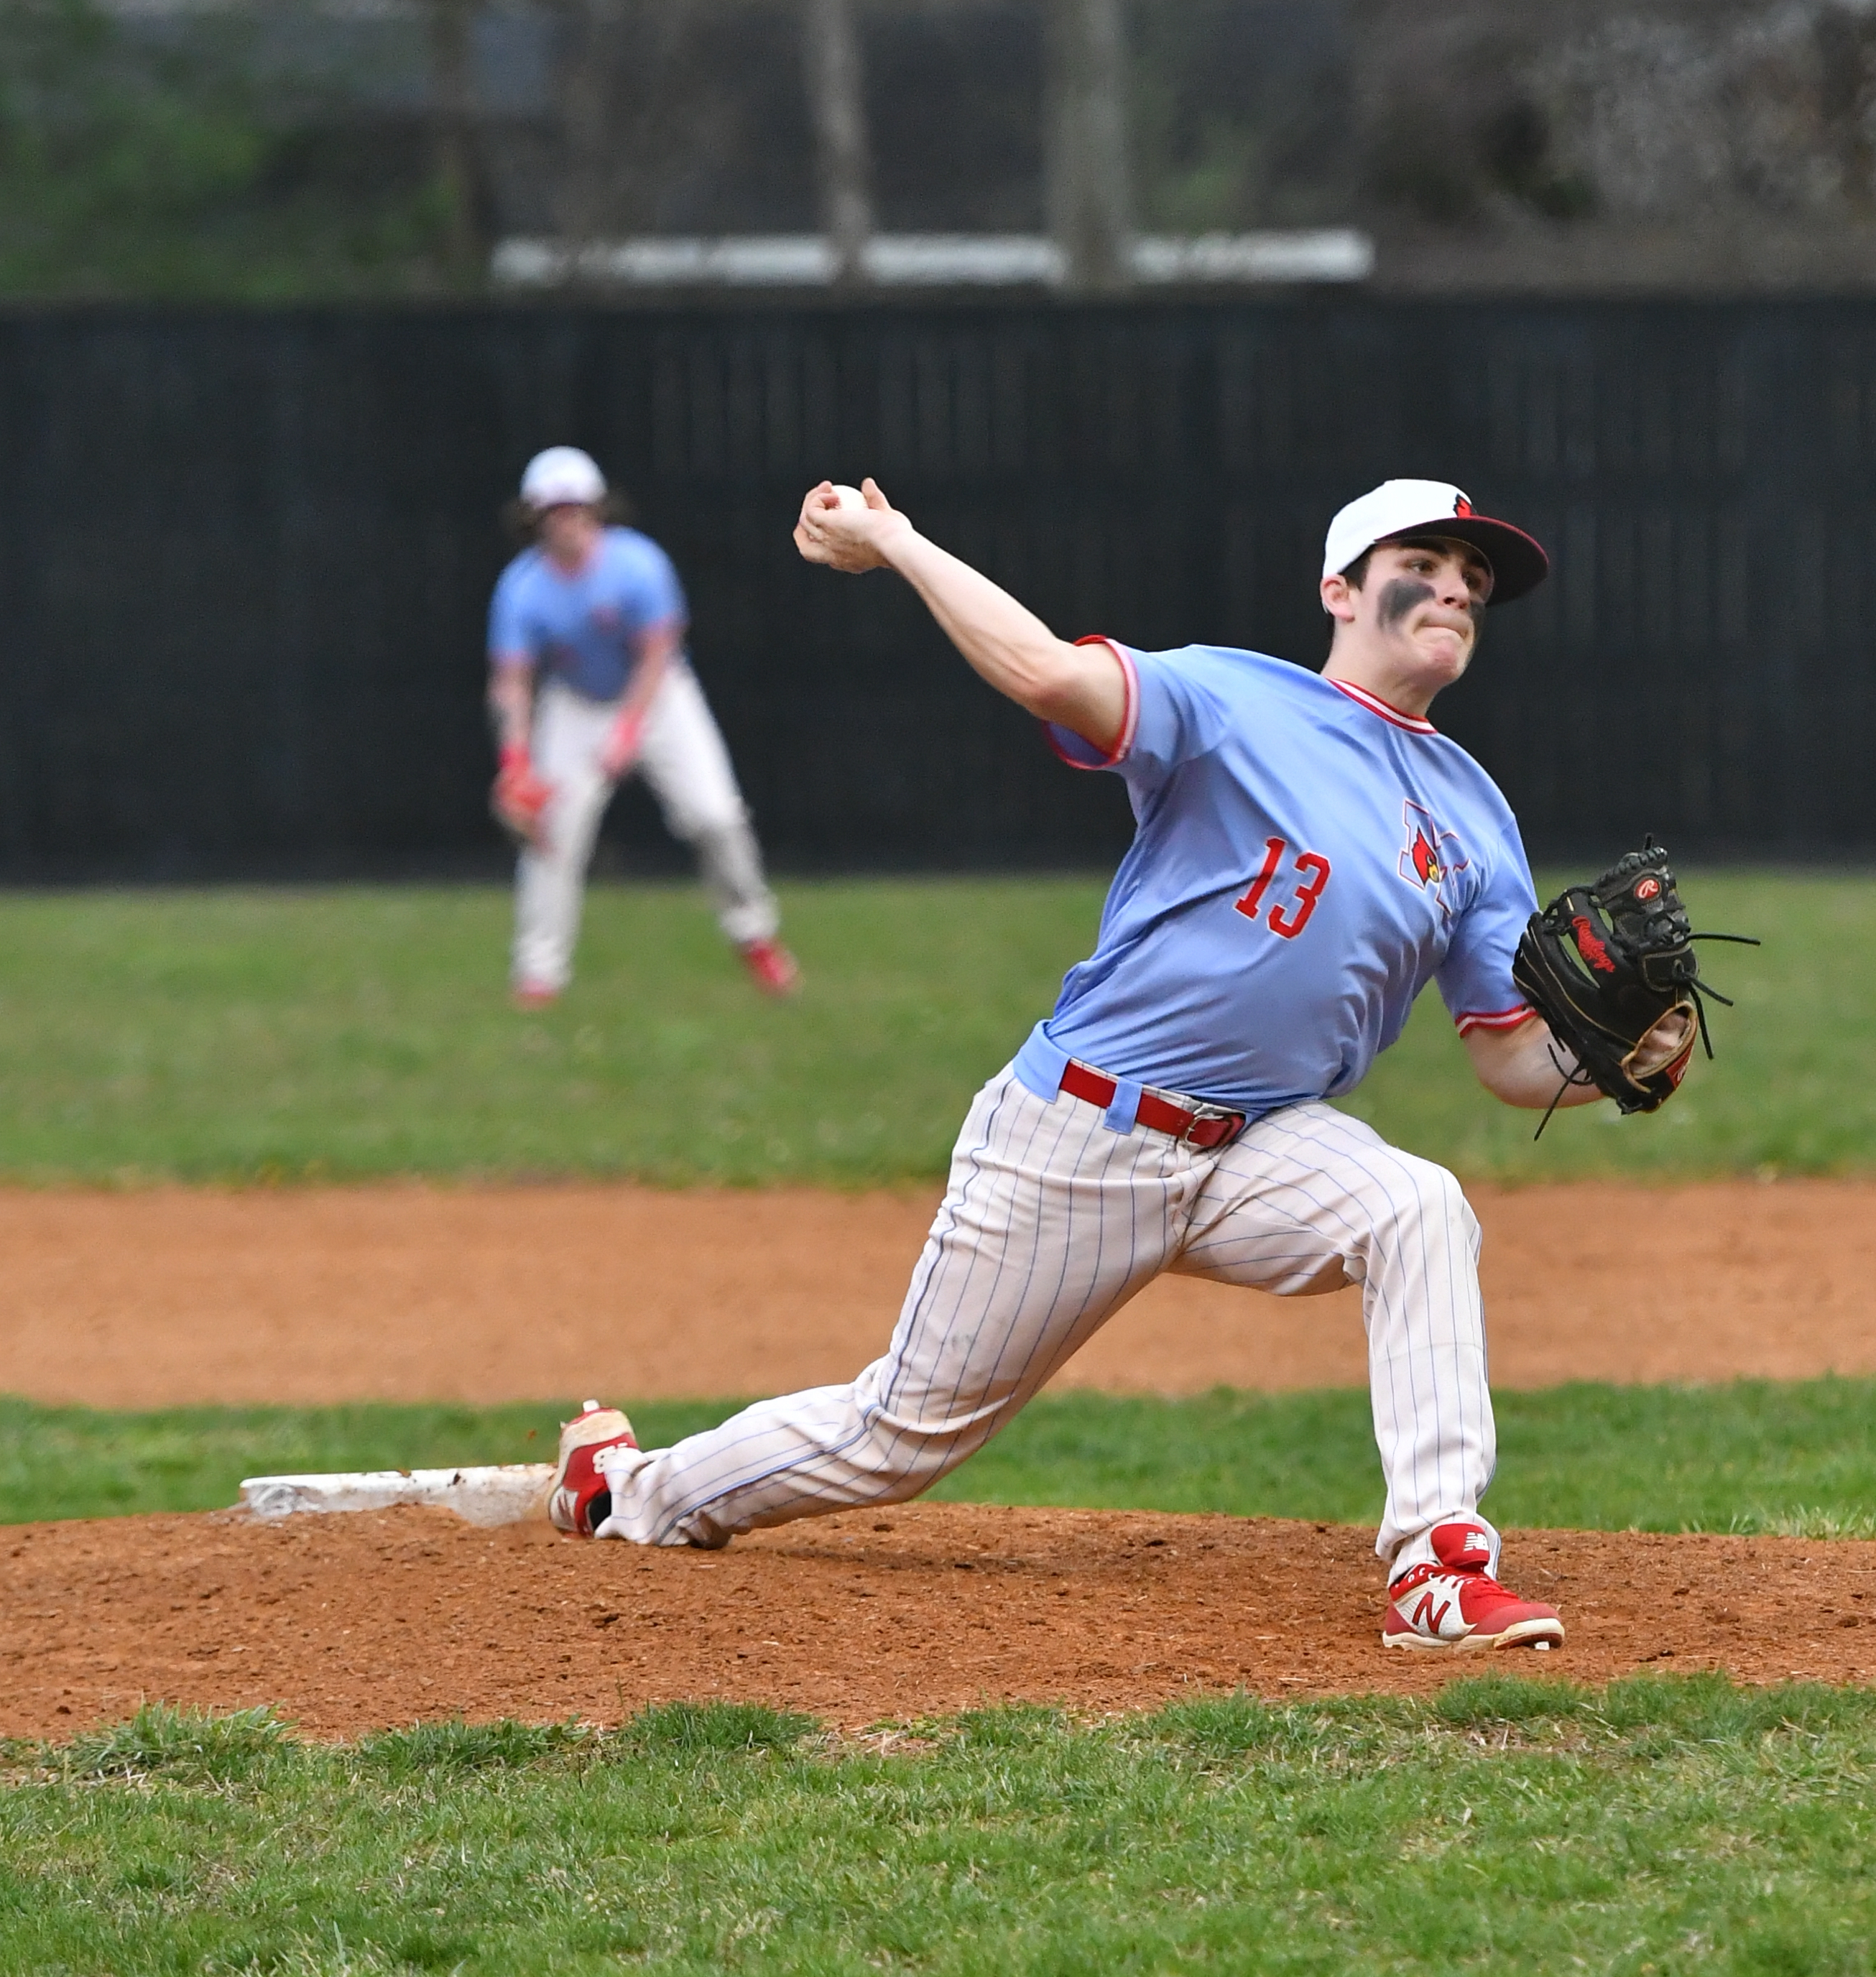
(520, 520)
(1356, 574)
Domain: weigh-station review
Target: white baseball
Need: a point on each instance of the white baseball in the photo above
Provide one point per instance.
(850, 498)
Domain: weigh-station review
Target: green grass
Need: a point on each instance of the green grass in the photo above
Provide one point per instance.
(1655, 1826)
(1754, 1456)
(1658, 1826)
(350, 1034)
(354, 1033)
(1750, 1456)
(85, 1462)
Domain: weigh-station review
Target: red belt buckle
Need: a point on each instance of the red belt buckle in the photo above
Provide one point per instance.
(1203, 1130)
(1210, 1129)
(1227, 1126)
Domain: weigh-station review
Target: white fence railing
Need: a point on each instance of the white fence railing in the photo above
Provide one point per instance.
(924, 260)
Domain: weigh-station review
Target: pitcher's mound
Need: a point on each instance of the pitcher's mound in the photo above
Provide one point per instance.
(352, 1623)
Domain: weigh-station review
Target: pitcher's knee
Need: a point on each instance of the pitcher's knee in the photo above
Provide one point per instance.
(1426, 1199)
(1446, 1199)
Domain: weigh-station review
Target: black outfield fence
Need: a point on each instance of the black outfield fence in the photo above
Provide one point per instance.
(244, 558)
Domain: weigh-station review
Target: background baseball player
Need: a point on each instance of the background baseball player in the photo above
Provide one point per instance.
(588, 681)
(1310, 852)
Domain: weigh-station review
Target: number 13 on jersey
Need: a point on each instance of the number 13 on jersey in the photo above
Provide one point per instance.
(1289, 918)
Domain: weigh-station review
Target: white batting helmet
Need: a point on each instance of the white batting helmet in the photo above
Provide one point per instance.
(562, 474)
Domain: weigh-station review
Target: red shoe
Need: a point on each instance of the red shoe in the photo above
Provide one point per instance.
(582, 1497)
(1456, 1603)
(534, 995)
(772, 967)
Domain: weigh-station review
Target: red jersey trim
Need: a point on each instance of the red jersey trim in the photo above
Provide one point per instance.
(1470, 1020)
(1415, 723)
(1130, 717)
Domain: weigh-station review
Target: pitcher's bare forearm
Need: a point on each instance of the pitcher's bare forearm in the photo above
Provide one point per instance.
(1524, 1066)
(1081, 687)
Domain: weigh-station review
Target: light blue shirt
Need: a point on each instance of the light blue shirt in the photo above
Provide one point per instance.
(1307, 859)
(583, 630)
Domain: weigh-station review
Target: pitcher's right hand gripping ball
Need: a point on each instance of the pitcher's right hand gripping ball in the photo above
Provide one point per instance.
(1605, 964)
(848, 528)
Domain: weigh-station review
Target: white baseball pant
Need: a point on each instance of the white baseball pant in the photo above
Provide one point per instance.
(685, 761)
(1053, 1221)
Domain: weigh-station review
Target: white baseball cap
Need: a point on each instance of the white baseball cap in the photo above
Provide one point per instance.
(562, 474)
(1397, 508)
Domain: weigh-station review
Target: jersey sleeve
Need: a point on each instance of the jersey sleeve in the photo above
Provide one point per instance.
(655, 595)
(1171, 716)
(1475, 978)
(510, 642)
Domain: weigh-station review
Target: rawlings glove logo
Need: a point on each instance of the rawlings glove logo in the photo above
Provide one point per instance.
(1592, 950)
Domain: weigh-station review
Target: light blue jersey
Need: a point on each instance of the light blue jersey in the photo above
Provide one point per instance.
(1307, 859)
(583, 630)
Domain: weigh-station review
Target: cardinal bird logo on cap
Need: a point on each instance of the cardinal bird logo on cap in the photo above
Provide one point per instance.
(1462, 506)
(1426, 863)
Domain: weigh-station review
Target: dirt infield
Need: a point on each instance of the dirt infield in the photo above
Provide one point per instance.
(146, 1299)
(351, 1623)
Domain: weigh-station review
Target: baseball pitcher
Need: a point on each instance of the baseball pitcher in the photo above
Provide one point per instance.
(1310, 852)
(588, 681)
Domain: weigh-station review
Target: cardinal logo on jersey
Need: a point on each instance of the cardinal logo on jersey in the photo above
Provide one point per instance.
(1430, 856)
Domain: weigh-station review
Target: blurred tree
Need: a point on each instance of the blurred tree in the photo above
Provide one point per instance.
(678, 116)
(455, 124)
(156, 162)
(1088, 191)
(259, 149)
(955, 103)
(1240, 115)
(838, 97)
(592, 148)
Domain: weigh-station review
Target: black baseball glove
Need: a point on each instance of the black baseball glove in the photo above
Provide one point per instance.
(1603, 964)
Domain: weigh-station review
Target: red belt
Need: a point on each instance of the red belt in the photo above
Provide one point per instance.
(1203, 1130)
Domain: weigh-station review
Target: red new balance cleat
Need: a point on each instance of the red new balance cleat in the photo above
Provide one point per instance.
(1456, 1603)
(534, 995)
(582, 1497)
(772, 967)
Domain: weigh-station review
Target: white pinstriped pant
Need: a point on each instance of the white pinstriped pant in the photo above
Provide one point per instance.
(1053, 1221)
(685, 761)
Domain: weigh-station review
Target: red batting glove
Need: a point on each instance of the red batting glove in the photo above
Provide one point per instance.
(622, 745)
(520, 798)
